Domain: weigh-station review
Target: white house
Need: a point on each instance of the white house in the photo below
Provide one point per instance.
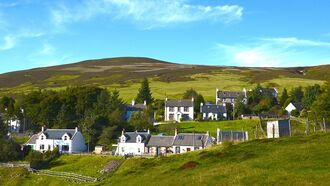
(132, 143)
(179, 110)
(14, 125)
(66, 140)
(213, 112)
(278, 128)
(186, 142)
(223, 97)
(293, 106)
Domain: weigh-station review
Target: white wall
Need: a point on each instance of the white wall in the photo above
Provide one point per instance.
(130, 148)
(183, 149)
(272, 125)
(180, 111)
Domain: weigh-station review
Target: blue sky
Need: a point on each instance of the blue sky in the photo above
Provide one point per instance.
(37, 33)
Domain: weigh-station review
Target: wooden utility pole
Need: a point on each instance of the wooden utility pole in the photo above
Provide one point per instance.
(307, 123)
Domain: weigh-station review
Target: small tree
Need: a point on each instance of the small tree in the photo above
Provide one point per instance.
(144, 93)
(198, 98)
(284, 97)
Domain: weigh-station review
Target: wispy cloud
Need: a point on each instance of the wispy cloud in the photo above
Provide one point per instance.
(8, 5)
(149, 13)
(11, 40)
(274, 52)
(46, 49)
(8, 43)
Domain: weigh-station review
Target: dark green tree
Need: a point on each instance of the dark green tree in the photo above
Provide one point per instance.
(144, 93)
(321, 107)
(284, 97)
(297, 94)
(198, 98)
(310, 95)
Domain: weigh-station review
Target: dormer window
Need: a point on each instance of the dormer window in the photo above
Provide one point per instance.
(65, 137)
(42, 137)
(138, 139)
(123, 139)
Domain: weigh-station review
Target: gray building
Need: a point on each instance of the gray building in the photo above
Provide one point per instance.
(231, 136)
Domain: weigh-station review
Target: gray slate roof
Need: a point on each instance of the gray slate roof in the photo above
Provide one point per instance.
(191, 139)
(131, 136)
(230, 94)
(58, 133)
(179, 103)
(33, 139)
(232, 135)
(136, 107)
(211, 108)
(160, 141)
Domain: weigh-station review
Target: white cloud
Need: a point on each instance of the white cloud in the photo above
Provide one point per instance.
(149, 13)
(274, 52)
(293, 41)
(46, 49)
(9, 42)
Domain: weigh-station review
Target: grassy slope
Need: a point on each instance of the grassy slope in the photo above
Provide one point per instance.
(295, 161)
(235, 125)
(298, 160)
(84, 165)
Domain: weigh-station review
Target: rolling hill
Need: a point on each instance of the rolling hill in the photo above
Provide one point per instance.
(167, 79)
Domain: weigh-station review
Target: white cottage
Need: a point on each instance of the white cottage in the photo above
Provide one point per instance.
(223, 97)
(132, 143)
(278, 128)
(66, 140)
(186, 142)
(179, 110)
(213, 112)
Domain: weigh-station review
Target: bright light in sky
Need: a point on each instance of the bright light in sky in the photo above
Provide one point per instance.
(36, 33)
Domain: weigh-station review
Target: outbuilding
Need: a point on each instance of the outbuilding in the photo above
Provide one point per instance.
(278, 128)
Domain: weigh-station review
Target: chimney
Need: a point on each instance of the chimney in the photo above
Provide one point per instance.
(133, 102)
(166, 99)
(43, 129)
(76, 129)
(145, 103)
(148, 131)
(122, 132)
(207, 133)
(192, 99)
(176, 132)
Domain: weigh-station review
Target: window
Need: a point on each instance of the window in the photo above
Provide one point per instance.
(139, 150)
(65, 148)
(171, 117)
(65, 137)
(185, 109)
(138, 139)
(42, 137)
(42, 147)
(48, 147)
(188, 149)
(123, 139)
(171, 109)
(177, 150)
(122, 149)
